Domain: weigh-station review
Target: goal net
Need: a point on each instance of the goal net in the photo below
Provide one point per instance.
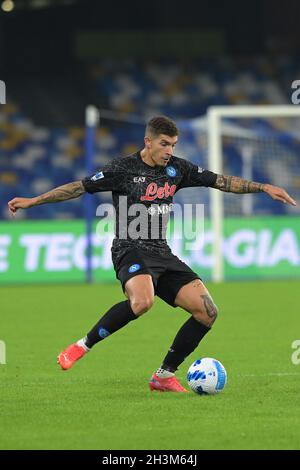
(240, 238)
(258, 143)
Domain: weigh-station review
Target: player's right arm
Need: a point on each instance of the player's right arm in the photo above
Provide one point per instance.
(61, 193)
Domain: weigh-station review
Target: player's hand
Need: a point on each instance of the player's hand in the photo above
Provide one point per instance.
(19, 203)
(279, 194)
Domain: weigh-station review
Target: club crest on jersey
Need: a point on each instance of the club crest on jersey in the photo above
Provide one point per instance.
(97, 176)
(171, 171)
(139, 179)
(200, 170)
(134, 267)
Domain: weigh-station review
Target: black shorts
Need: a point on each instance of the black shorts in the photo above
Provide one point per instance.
(168, 272)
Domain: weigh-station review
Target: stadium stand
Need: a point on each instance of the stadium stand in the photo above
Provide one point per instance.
(35, 159)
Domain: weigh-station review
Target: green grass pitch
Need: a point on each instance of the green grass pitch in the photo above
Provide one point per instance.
(104, 401)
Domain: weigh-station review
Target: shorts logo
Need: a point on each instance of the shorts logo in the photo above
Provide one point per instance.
(103, 333)
(171, 171)
(97, 176)
(139, 179)
(134, 267)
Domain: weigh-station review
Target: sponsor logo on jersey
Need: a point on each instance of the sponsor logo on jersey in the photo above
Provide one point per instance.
(163, 209)
(139, 179)
(171, 171)
(154, 192)
(97, 176)
(134, 267)
(151, 210)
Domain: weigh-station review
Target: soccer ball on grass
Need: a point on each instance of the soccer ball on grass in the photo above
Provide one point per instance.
(207, 376)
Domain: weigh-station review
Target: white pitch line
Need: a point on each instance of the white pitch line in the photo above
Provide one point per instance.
(276, 374)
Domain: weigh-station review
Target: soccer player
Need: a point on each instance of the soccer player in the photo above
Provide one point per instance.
(144, 264)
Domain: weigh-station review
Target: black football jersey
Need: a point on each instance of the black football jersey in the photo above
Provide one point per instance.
(142, 198)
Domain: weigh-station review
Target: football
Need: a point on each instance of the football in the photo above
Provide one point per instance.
(207, 376)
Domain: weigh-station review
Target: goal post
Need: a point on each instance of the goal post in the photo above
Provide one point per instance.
(215, 134)
(92, 119)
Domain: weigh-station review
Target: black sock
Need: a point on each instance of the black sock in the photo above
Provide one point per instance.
(186, 340)
(116, 317)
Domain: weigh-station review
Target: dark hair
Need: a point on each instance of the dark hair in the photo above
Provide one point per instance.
(162, 125)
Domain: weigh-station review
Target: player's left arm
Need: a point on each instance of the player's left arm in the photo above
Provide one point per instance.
(234, 184)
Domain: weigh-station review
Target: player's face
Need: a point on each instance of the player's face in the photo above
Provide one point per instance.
(161, 148)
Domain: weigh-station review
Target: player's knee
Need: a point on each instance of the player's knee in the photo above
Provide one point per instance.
(141, 305)
(207, 316)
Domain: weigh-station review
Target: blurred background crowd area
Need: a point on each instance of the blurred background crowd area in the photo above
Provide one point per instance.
(59, 56)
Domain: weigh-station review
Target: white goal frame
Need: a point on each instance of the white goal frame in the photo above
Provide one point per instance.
(215, 160)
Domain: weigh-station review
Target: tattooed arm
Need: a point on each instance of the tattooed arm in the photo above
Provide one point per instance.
(233, 184)
(62, 193)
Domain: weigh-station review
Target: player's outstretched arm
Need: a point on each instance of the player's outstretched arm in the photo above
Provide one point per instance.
(61, 193)
(234, 184)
